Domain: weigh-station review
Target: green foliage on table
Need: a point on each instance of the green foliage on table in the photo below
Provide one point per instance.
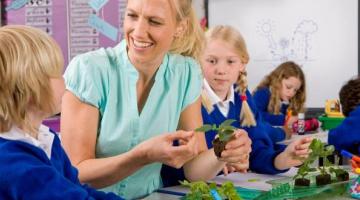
(200, 190)
(318, 150)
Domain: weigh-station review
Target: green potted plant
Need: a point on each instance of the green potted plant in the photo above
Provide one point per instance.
(224, 132)
(300, 177)
(341, 174)
(319, 149)
(200, 190)
(303, 171)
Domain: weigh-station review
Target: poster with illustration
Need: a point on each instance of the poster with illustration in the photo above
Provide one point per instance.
(78, 26)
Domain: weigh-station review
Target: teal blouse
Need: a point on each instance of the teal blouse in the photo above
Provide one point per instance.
(107, 80)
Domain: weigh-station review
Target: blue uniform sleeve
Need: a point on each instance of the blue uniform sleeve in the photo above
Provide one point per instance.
(275, 134)
(263, 152)
(28, 176)
(346, 135)
(262, 98)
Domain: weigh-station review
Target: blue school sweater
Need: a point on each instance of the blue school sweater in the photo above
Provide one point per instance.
(264, 150)
(263, 136)
(27, 173)
(347, 135)
(262, 99)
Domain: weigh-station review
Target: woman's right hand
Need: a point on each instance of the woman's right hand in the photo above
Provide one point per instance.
(161, 149)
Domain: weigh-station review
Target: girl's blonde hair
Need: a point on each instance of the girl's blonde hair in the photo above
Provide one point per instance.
(273, 81)
(190, 43)
(234, 39)
(28, 59)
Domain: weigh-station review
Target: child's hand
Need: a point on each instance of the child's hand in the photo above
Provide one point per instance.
(241, 167)
(294, 154)
(288, 126)
(291, 121)
(161, 149)
(237, 151)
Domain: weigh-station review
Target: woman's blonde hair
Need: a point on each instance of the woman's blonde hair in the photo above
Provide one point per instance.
(190, 43)
(273, 81)
(28, 59)
(234, 39)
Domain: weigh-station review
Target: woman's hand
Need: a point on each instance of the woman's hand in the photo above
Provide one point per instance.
(161, 149)
(236, 153)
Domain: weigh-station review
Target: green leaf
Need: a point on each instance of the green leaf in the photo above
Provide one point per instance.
(230, 128)
(212, 185)
(227, 123)
(316, 146)
(214, 127)
(330, 149)
(225, 135)
(312, 170)
(204, 128)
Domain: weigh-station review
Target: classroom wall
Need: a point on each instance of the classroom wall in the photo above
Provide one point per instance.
(320, 35)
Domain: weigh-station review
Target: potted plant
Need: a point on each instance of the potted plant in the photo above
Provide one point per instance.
(303, 171)
(341, 175)
(318, 149)
(200, 190)
(300, 177)
(224, 132)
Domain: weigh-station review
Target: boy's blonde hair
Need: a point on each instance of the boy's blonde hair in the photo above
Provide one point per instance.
(273, 81)
(234, 39)
(190, 43)
(28, 59)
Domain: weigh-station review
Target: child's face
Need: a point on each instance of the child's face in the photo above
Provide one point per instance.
(221, 66)
(289, 87)
(58, 89)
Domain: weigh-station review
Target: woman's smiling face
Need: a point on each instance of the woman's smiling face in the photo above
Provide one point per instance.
(149, 27)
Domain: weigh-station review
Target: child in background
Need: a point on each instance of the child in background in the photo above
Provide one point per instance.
(33, 164)
(225, 96)
(347, 135)
(281, 91)
(281, 95)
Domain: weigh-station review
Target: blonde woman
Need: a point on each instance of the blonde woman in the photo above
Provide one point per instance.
(33, 164)
(125, 106)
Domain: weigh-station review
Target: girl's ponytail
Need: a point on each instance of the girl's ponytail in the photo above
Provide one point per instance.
(246, 115)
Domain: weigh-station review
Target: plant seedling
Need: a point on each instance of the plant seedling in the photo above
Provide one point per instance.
(224, 132)
(318, 149)
(303, 171)
(341, 175)
(300, 179)
(202, 190)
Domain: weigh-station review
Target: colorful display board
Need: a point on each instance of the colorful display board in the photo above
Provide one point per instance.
(77, 25)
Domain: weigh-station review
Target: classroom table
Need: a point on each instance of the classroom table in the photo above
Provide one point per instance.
(241, 180)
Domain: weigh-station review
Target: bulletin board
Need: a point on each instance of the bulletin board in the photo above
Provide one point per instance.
(77, 25)
(322, 36)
